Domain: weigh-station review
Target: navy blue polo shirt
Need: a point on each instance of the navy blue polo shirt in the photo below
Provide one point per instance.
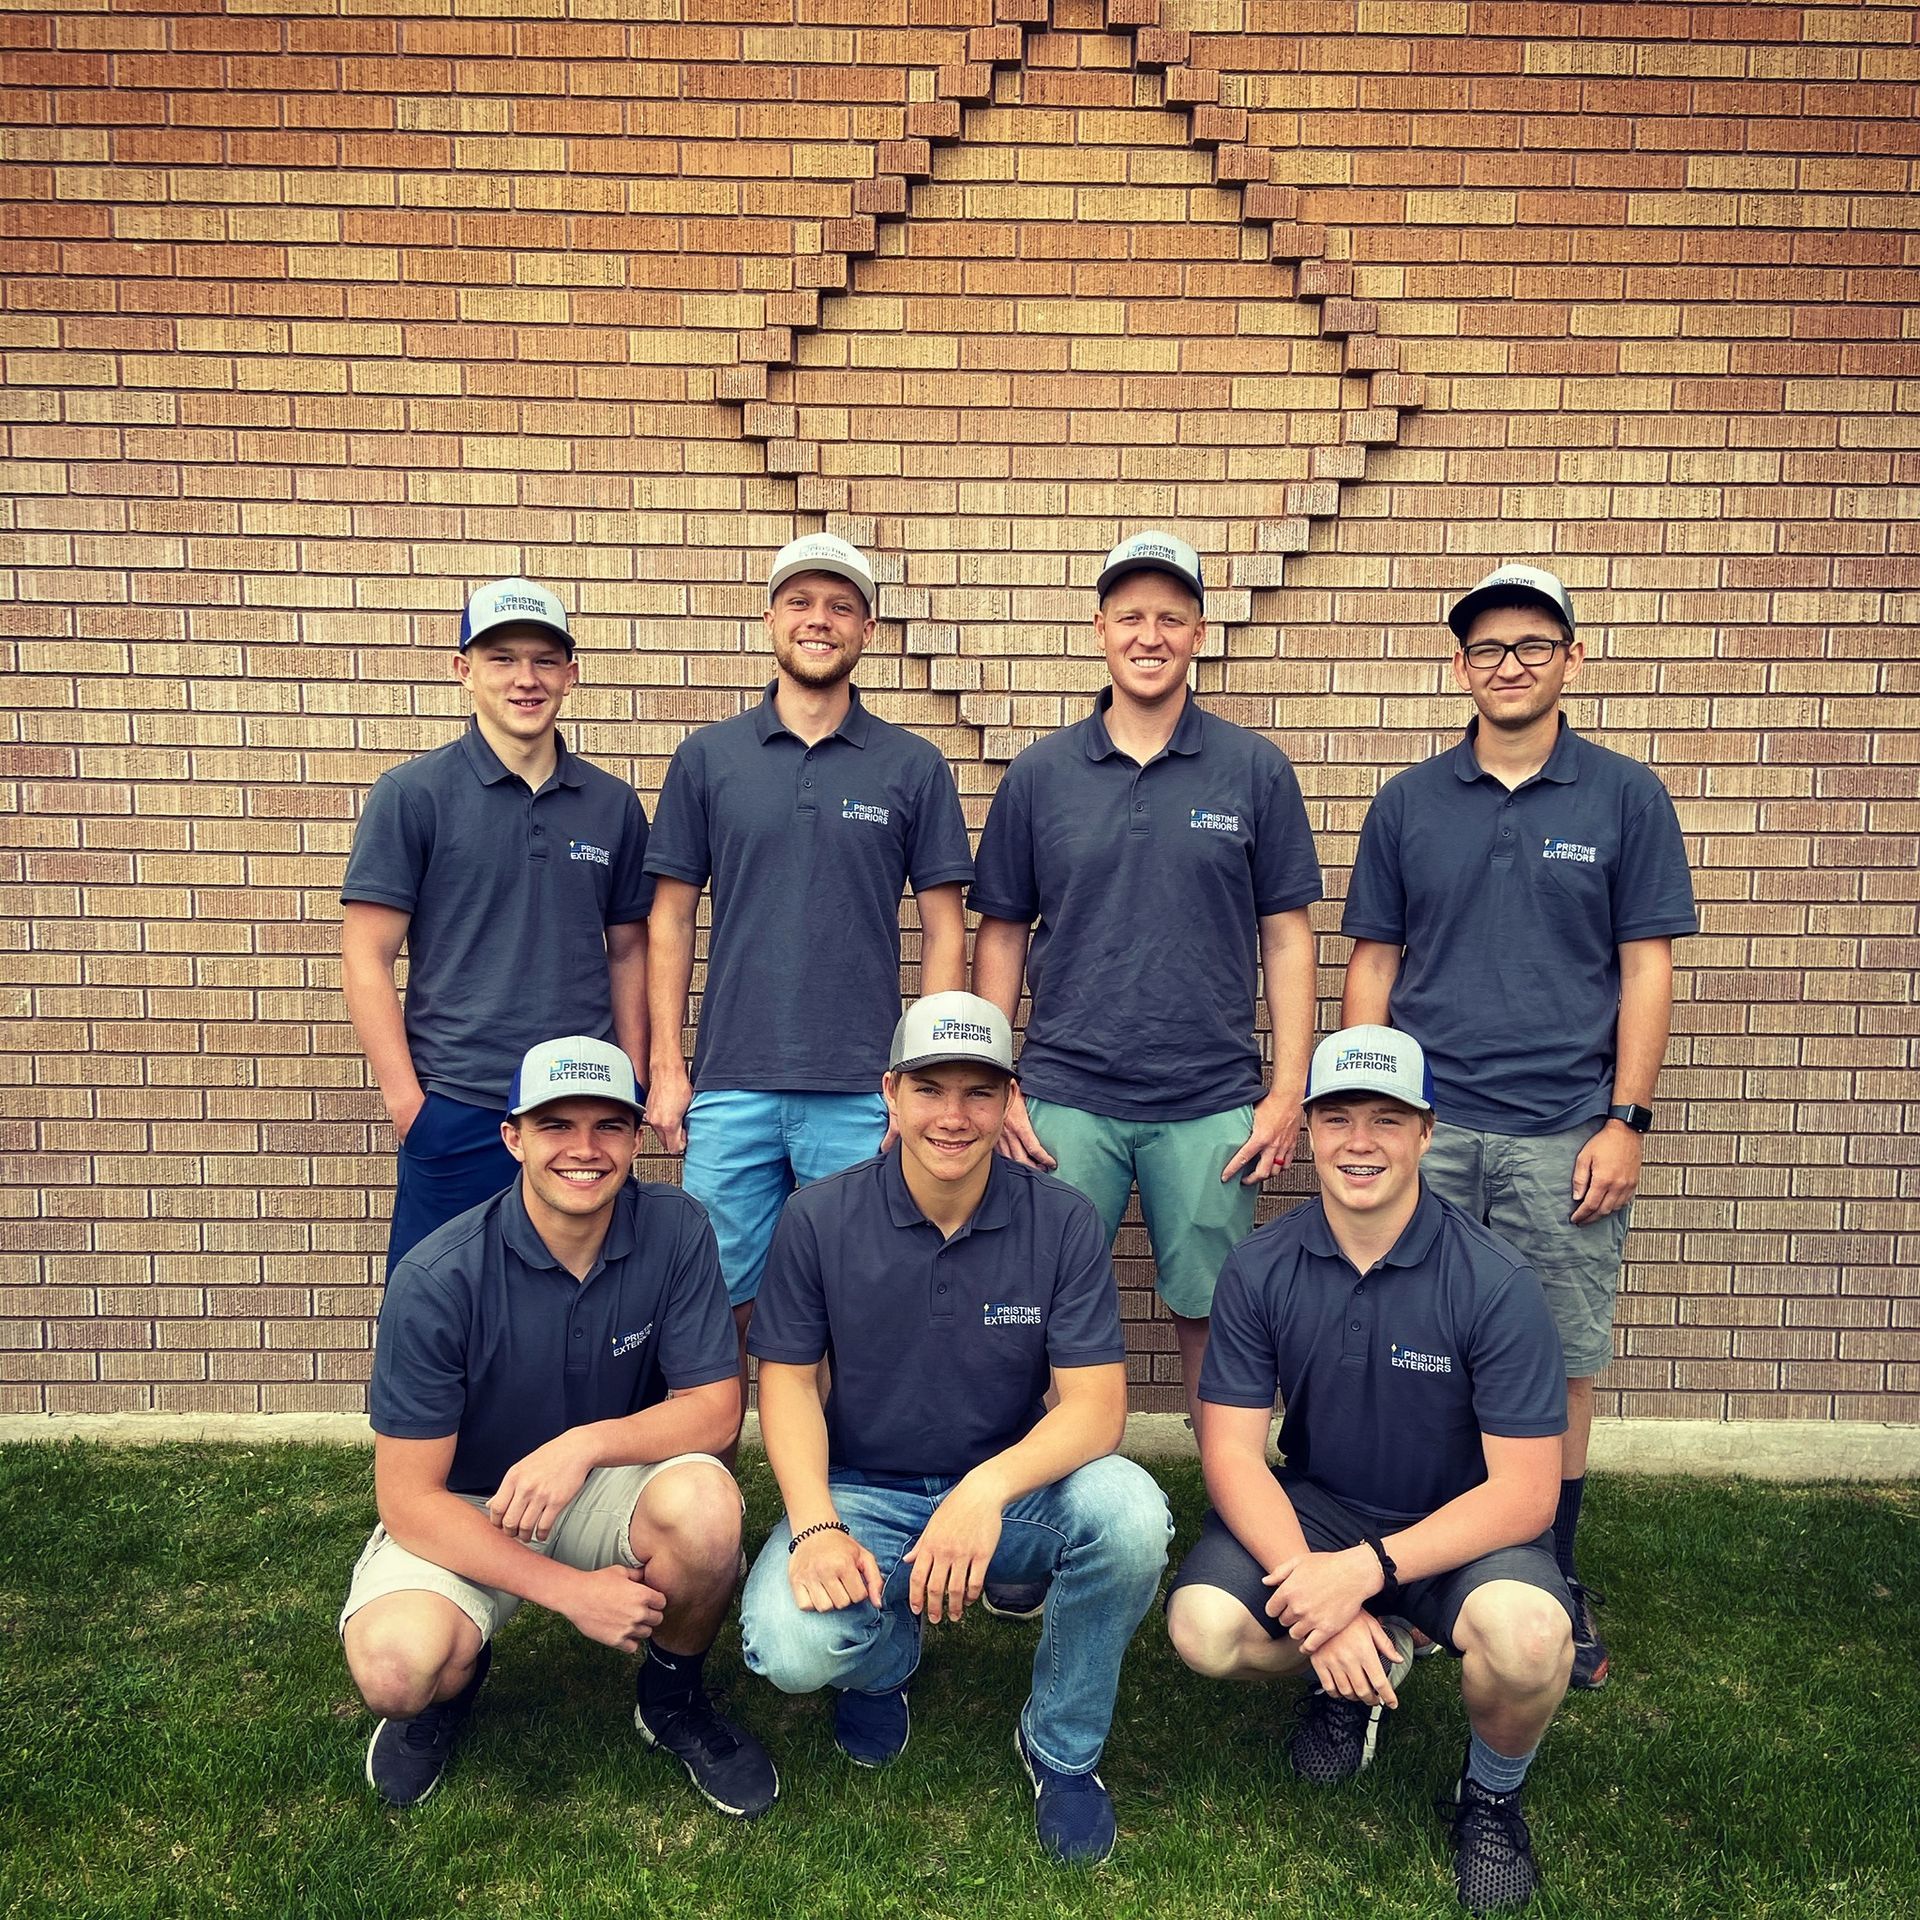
(484, 1334)
(511, 894)
(1389, 1378)
(1512, 907)
(1149, 884)
(941, 1349)
(809, 850)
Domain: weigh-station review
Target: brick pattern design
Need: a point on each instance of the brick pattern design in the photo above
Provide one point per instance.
(311, 320)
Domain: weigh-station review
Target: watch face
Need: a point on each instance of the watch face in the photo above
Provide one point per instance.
(1640, 1119)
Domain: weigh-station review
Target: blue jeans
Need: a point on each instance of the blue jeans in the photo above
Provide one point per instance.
(452, 1158)
(747, 1151)
(1101, 1533)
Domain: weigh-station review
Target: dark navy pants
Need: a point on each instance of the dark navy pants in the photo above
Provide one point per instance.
(452, 1158)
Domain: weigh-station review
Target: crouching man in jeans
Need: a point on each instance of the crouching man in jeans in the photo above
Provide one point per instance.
(1425, 1399)
(555, 1371)
(948, 1286)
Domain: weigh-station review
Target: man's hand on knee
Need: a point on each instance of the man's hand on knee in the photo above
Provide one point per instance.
(830, 1570)
(1354, 1663)
(615, 1606)
(951, 1557)
(535, 1491)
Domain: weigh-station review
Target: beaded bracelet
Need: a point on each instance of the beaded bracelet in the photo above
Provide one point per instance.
(819, 1526)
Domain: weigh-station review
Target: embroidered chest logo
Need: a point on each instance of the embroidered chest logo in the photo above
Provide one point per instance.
(996, 1313)
(586, 850)
(626, 1343)
(864, 810)
(1413, 1361)
(1208, 820)
(1570, 850)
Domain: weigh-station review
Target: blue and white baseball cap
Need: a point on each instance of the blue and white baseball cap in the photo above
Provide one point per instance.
(512, 603)
(951, 1026)
(1154, 552)
(1371, 1060)
(568, 1068)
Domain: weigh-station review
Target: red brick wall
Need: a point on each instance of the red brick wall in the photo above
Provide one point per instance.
(311, 322)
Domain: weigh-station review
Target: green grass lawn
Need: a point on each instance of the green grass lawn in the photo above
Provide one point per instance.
(178, 1736)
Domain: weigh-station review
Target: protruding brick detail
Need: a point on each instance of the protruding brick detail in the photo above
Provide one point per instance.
(996, 46)
(1219, 127)
(1160, 47)
(972, 80)
(937, 121)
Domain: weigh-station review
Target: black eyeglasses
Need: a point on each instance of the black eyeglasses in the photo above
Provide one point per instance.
(1533, 652)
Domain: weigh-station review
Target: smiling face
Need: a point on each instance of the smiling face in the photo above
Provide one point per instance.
(1150, 628)
(819, 624)
(1366, 1154)
(1512, 697)
(518, 676)
(949, 1118)
(577, 1154)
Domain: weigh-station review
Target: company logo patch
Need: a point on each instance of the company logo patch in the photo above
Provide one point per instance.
(864, 810)
(1570, 850)
(520, 603)
(1366, 1061)
(1206, 820)
(579, 1070)
(998, 1313)
(948, 1028)
(1414, 1361)
(625, 1343)
(586, 850)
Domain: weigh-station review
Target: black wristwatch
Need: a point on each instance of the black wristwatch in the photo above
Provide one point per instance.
(1640, 1119)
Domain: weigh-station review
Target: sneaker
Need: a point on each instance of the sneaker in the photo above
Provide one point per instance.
(1336, 1738)
(1016, 1599)
(1492, 1849)
(1589, 1650)
(405, 1758)
(871, 1729)
(732, 1770)
(1072, 1812)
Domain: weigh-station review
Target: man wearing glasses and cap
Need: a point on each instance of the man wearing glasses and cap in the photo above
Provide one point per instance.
(949, 1287)
(809, 816)
(1166, 857)
(510, 870)
(1513, 906)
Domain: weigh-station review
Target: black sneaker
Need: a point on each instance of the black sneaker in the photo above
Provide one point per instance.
(1589, 1650)
(1336, 1738)
(405, 1758)
(1016, 1599)
(729, 1766)
(1492, 1849)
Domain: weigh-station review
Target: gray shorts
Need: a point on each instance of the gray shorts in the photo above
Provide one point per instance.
(1521, 1185)
(592, 1532)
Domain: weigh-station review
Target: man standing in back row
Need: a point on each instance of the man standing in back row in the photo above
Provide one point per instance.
(810, 816)
(1166, 855)
(1513, 907)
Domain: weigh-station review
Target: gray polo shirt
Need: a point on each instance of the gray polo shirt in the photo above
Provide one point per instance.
(1390, 1377)
(941, 1349)
(1149, 884)
(511, 895)
(484, 1334)
(809, 850)
(1512, 907)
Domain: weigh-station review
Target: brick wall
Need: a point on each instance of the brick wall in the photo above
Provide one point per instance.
(312, 321)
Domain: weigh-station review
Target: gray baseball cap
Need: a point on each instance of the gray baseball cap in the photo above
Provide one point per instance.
(1503, 586)
(1371, 1060)
(1154, 552)
(951, 1026)
(568, 1068)
(513, 603)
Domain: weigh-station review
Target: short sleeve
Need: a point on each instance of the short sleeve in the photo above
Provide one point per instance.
(678, 846)
(1376, 906)
(937, 853)
(631, 895)
(1083, 1318)
(789, 1325)
(1654, 895)
(697, 1343)
(1514, 1362)
(390, 849)
(1286, 869)
(1242, 1367)
(1005, 881)
(419, 1385)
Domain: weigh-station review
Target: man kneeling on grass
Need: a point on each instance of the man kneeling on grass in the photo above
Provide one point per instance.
(947, 1286)
(1424, 1399)
(554, 1374)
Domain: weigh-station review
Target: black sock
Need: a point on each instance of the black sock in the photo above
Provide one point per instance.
(669, 1679)
(1566, 1523)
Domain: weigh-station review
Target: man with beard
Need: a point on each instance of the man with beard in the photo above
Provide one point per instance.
(809, 816)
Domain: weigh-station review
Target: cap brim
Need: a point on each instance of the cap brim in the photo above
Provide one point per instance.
(1503, 593)
(519, 620)
(839, 572)
(944, 1058)
(1120, 572)
(578, 1093)
(1368, 1083)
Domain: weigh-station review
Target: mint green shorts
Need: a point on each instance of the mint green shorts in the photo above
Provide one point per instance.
(1194, 1220)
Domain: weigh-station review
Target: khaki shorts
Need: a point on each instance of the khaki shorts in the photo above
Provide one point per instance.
(591, 1533)
(1521, 1185)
